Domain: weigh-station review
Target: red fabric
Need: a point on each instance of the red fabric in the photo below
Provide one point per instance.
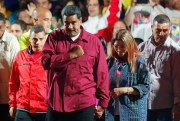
(36, 55)
(113, 16)
(27, 84)
(73, 84)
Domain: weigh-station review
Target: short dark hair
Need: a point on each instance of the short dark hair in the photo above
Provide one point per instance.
(37, 28)
(22, 24)
(2, 17)
(162, 18)
(72, 10)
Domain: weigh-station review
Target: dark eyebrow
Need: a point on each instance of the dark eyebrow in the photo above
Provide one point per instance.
(162, 29)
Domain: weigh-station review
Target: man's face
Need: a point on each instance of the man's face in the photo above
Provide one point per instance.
(2, 27)
(118, 26)
(72, 25)
(45, 20)
(37, 41)
(160, 31)
(16, 30)
(120, 48)
(93, 7)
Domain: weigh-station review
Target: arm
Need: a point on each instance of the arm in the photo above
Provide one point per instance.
(52, 60)
(129, 15)
(156, 7)
(14, 49)
(176, 79)
(116, 92)
(101, 77)
(13, 88)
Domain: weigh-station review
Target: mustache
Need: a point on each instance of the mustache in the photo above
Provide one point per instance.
(70, 30)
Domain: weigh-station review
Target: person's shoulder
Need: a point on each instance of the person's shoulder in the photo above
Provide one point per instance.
(9, 37)
(57, 32)
(173, 44)
(143, 44)
(89, 36)
(24, 36)
(22, 53)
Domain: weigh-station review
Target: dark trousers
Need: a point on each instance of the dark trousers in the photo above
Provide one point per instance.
(4, 112)
(85, 114)
(160, 115)
(26, 116)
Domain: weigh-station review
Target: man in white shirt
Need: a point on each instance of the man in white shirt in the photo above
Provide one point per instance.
(9, 47)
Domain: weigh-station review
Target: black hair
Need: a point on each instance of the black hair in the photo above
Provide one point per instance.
(138, 40)
(37, 28)
(22, 24)
(2, 17)
(161, 18)
(72, 10)
(103, 41)
(101, 2)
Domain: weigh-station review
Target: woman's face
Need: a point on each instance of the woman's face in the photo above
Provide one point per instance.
(120, 48)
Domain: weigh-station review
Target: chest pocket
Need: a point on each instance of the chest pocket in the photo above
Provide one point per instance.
(163, 62)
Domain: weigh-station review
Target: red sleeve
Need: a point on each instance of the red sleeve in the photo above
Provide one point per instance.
(49, 57)
(14, 83)
(102, 78)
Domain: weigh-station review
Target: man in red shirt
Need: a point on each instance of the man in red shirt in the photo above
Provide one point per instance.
(27, 84)
(77, 71)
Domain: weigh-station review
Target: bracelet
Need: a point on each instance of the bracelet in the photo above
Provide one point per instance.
(154, 5)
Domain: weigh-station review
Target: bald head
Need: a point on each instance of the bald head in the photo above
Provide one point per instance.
(40, 11)
(42, 16)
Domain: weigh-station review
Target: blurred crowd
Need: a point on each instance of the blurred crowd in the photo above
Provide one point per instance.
(97, 15)
(103, 18)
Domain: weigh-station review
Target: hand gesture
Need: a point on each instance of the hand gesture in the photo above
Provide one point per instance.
(99, 111)
(76, 52)
(31, 7)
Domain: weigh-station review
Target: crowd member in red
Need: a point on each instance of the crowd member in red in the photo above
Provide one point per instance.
(77, 71)
(27, 84)
(99, 24)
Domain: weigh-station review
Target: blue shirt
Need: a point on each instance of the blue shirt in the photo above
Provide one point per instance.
(131, 107)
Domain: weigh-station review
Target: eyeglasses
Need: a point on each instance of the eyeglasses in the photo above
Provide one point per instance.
(92, 5)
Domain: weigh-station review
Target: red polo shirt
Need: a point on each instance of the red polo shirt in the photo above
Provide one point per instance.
(75, 84)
